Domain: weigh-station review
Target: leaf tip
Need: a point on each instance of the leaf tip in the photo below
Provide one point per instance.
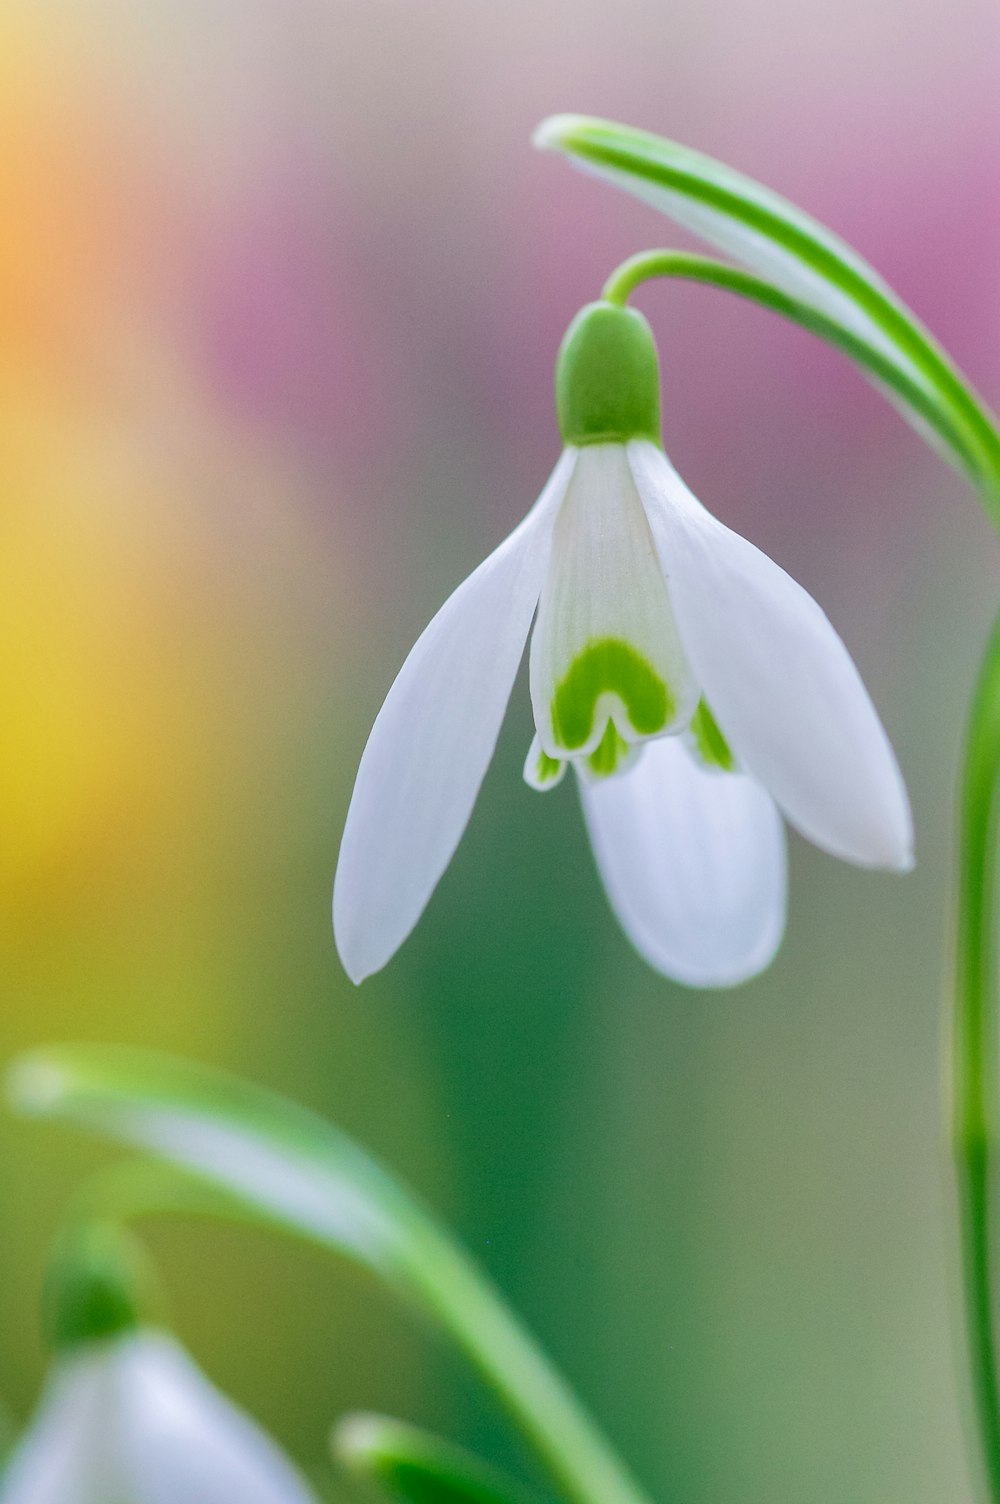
(34, 1083)
(358, 1440)
(555, 132)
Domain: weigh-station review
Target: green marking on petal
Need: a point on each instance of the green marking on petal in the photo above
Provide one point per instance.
(712, 745)
(609, 754)
(542, 772)
(547, 769)
(609, 666)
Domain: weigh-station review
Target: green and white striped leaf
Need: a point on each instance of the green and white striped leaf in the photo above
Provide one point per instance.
(806, 263)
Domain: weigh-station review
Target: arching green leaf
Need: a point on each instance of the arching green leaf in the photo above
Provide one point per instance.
(802, 260)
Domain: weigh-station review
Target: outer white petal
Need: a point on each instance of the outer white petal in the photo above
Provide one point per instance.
(605, 593)
(64, 1458)
(182, 1442)
(134, 1420)
(693, 860)
(780, 682)
(432, 742)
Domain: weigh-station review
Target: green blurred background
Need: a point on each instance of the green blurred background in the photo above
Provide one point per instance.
(281, 287)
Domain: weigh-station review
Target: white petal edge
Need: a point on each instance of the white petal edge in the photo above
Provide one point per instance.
(694, 863)
(433, 740)
(182, 1439)
(779, 680)
(59, 1460)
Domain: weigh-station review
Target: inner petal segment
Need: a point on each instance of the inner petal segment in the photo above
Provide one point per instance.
(541, 771)
(709, 743)
(605, 649)
(608, 667)
(613, 754)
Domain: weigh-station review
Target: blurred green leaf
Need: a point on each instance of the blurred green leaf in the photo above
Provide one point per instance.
(282, 1163)
(805, 262)
(411, 1465)
(294, 1170)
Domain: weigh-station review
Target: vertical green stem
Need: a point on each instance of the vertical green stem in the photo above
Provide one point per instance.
(975, 1050)
(582, 1463)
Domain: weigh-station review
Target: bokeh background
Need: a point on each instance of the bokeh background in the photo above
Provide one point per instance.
(281, 286)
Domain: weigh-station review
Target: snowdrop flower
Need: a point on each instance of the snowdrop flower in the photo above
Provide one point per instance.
(695, 688)
(132, 1420)
(127, 1418)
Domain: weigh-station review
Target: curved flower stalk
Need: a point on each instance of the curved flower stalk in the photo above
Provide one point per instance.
(695, 689)
(126, 1416)
(802, 261)
(810, 276)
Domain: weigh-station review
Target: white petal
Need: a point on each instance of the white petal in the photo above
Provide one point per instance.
(133, 1419)
(779, 681)
(693, 860)
(605, 643)
(183, 1442)
(432, 742)
(63, 1456)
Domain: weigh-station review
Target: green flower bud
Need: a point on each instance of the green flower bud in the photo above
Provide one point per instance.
(98, 1285)
(608, 378)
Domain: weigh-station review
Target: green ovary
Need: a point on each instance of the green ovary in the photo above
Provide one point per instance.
(712, 745)
(609, 666)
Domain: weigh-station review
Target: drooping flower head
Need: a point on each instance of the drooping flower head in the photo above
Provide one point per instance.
(126, 1416)
(694, 687)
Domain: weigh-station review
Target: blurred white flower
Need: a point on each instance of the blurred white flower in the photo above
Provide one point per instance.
(130, 1419)
(693, 685)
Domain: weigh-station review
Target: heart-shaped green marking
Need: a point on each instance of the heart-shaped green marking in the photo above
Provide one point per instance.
(609, 665)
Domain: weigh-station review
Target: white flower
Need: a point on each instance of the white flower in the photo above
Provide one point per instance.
(131, 1420)
(693, 685)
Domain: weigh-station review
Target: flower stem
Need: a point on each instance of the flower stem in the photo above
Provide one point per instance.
(975, 1119)
(562, 1433)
